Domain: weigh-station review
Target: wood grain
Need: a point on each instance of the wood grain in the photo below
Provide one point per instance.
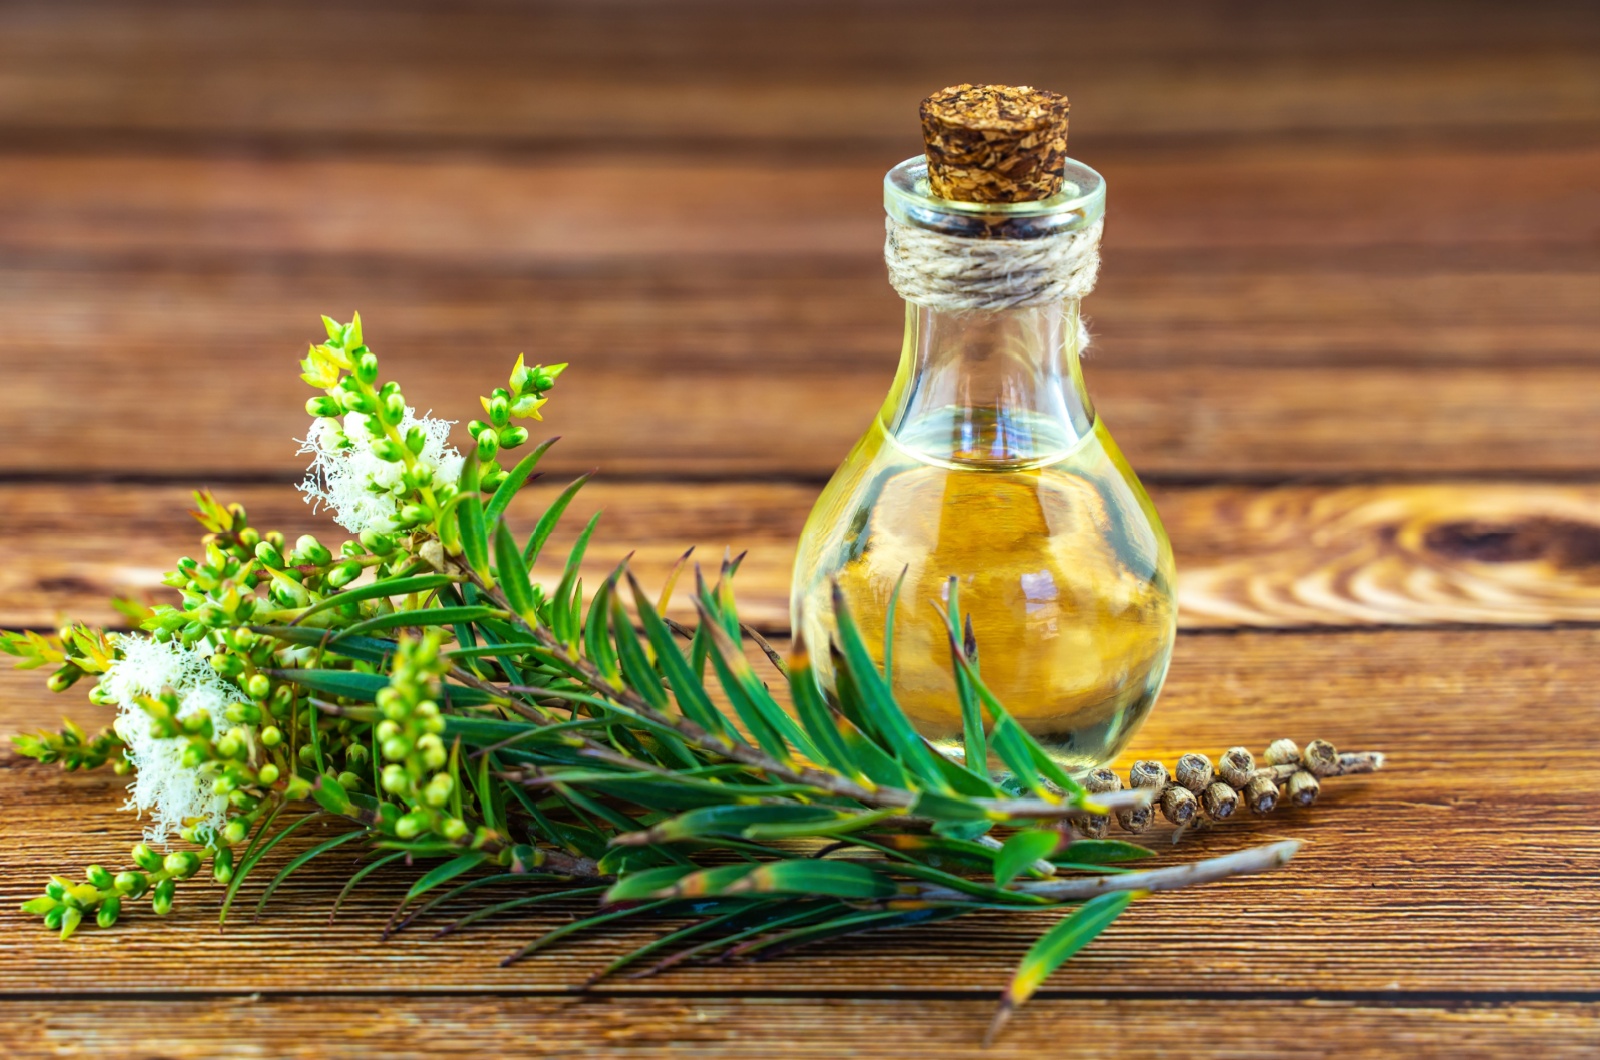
(1466, 866)
(1483, 552)
(394, 1027)
(1345, 326)
(818, 74)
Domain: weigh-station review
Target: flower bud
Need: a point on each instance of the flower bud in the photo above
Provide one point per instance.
(323, 407)
(488, 445)
(63, 678)
(353, 401)
(393, 410)
(415, 515)
(366, 368)
(349, 781)
(297, 789)
(511, 437)
(235, 831)
(70, 919)
(499, 407)
(243, 713)
(145, 858)
(454, 828)
(132, 884)
(395, 748)
(388, 449)
(98, 876)
(271, 736)
(411, 825)
(161, 899)
(182, 863)
(416, 441)
(259, 686)
(437, 793)
(110, 909)
(267, 554)
(222, 865)
(267, 774)
(395, 781)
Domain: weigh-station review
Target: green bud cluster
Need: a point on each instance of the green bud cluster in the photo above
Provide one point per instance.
(102, 896)
(418, 769)
(74, 749)
(522, 400)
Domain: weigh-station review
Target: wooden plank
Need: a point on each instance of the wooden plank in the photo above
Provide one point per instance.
(484, 209)
(1465, 867)
(742, 1027)
(1288, 556)
(813, 74)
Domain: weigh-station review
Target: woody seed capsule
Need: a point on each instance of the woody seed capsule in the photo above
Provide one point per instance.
(1237, 766)
(1194, 772)
(1145, 773)
(1282, 753)
(1178, 804)
(1219, 801)
(1098, 782)
(1321, 759)
(1303, 788)
(1261, 794)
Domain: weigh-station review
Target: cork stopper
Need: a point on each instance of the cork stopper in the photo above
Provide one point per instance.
(995, 143)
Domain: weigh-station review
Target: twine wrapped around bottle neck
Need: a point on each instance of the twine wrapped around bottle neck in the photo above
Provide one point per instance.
(956, 272)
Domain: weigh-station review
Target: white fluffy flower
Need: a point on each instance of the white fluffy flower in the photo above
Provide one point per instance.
(362, 489)
(162, 784)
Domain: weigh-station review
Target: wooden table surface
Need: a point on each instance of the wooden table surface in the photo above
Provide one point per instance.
(1346, 330)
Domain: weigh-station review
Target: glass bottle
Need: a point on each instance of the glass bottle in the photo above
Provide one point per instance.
(987, 463)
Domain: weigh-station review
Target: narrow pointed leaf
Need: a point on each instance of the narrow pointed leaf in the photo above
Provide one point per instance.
(1022, 850)
(512, 574)
(1056, 946)
(513, 482)
(547, 521)
(446, 872)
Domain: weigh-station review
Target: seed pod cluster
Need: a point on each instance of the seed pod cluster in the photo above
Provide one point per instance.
(1196, 791)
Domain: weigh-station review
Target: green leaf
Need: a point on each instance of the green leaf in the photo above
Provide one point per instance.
(1022, 850)
(1056, 946)
(1103, 852)
(563, 613)
(774, 728)
(884, 713)
(422, 617)
(416, 583)
(686, 687)
(474, 534)
(253, 854)
(547, 521)
(513, 483)
(348, 684)
(938, 807)
(647, 883)
(735, 820)
(289, 869)
(815, 716)
(445, 873)
(823, 877)
(367, 649)
(513, 575)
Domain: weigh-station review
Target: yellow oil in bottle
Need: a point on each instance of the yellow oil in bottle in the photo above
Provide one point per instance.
(1061, 561)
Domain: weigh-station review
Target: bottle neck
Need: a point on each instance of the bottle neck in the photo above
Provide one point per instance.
(990, 387)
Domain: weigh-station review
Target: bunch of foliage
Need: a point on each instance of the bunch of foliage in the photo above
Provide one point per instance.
(419, 686)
